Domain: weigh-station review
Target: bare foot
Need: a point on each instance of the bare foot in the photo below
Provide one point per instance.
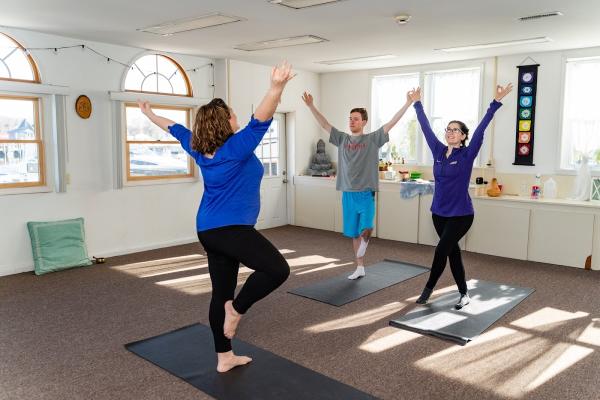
(232, 319)
(228, 361)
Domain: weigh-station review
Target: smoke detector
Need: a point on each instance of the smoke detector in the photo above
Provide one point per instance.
(402, 19)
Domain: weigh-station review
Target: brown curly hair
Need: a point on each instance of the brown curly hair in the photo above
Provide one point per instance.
(211, 127)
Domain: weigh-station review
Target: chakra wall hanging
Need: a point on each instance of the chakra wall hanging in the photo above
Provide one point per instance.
(527, 90)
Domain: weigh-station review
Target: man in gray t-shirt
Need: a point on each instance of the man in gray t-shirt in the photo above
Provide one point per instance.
(357, 177)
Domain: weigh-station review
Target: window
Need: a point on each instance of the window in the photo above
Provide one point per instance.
(268, 150)
(155, 73)
(388, 95)
(452, 95)
(447, 95)
(15, 63)
(149, 153)
(581, 119)
(152, 153)
(21, 147)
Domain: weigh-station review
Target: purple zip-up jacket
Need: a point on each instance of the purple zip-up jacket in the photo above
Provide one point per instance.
(452, 174)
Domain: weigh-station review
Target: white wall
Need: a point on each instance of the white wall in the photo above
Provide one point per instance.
(342, 91)
(133, 218)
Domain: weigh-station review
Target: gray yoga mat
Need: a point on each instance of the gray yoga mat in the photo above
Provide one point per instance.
(188, 353)
(340, 290)
(489, 302)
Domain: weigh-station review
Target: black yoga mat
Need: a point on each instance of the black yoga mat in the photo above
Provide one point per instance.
(340, 290)
(489, 302)
(188, 353)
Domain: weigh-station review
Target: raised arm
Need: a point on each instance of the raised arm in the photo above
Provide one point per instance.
(477, 138)
(280, 76)
(388, 127)
(181, 133)
(244, 143)
(161, 122)
(308, 100)
(432, 141)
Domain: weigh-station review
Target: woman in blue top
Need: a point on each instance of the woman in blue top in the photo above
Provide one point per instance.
(229, 208)
(452, 209)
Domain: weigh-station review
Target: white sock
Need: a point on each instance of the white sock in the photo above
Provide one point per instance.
(362, 248)
(360, 272)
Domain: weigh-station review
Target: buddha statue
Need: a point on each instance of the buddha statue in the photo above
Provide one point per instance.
(320, 164)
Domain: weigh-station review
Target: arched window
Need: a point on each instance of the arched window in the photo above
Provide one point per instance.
(20, 131)
(156, 73)
(15, 62)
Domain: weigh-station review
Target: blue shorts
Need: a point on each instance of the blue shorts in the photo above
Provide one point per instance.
(359, 212)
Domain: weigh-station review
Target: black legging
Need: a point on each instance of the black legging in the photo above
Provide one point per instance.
(226, 247)
(450, 230)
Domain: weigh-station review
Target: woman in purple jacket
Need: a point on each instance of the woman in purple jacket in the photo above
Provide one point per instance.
(452, 209)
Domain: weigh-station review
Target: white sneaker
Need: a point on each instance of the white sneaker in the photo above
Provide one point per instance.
(464, 300)
(362, 248)
(359, 273)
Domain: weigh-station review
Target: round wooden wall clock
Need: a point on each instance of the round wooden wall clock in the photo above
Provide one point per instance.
(83, 106)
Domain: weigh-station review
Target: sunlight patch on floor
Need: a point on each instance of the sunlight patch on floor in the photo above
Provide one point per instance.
(163, 266)
(505, 361)
(547, 318)
(363, 318)
(310, 260)
(387, 338)
(591, 334)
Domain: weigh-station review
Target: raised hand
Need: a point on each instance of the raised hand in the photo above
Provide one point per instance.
(281, 74)
(308, 99)
(502, 91)
(144, 107)
(414, 95)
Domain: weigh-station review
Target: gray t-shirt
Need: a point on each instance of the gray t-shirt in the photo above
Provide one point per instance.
(358, 159)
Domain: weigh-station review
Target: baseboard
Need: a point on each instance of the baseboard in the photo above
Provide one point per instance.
(6, 270)
(154, 246)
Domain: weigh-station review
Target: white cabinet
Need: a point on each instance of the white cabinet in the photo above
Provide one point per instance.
(338, 216)
(561, 237)
(499, 230)
(315, 203)
(397, 218)
(563, 232)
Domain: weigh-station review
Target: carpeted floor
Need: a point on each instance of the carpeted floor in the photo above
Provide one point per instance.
(62, 334)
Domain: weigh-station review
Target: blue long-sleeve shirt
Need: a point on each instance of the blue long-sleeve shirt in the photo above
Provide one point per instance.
(231, 178)
(452, 174)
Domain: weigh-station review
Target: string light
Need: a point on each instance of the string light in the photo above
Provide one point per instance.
(83, 47)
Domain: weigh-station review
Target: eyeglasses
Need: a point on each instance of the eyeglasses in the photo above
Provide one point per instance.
(453, 130)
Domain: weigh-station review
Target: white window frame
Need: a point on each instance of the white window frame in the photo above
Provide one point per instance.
(423, 71)
(566, 58)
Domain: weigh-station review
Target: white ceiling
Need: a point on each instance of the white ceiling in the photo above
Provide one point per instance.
(354, 28)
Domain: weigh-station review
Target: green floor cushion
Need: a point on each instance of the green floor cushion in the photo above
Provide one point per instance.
(58, 245)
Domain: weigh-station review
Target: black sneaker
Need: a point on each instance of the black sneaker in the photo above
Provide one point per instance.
(424, 296)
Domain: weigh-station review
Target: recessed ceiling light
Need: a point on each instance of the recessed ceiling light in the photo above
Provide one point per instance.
(357, 59)
(298, 4)
(190, 24)
(496, 44)
(284, 42)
